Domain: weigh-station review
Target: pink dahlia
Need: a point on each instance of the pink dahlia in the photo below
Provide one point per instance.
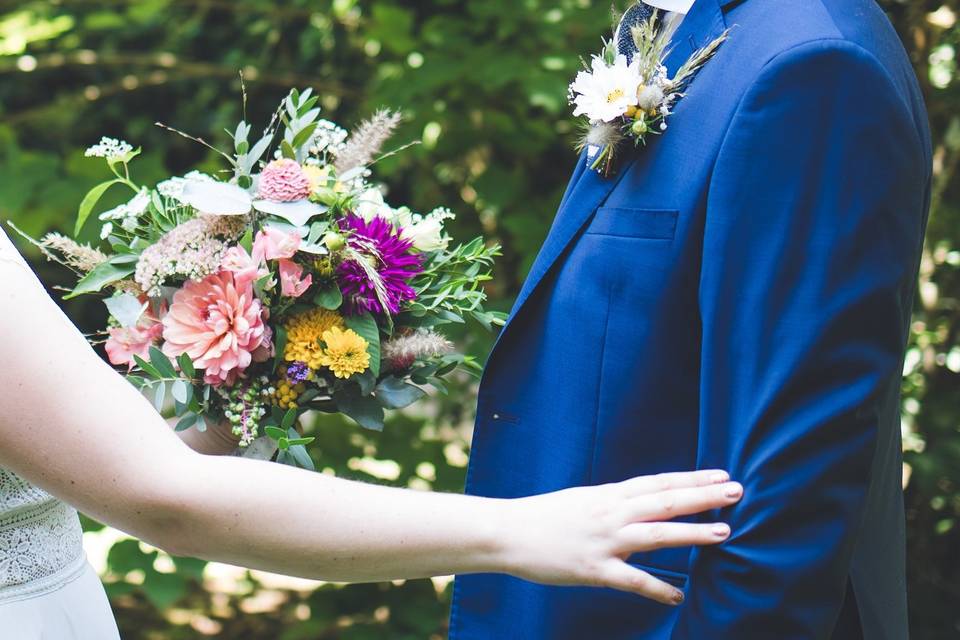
(284, 181)
(219, 323)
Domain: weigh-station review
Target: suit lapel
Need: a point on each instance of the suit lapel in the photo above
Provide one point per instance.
(588, 189)
(703, 23)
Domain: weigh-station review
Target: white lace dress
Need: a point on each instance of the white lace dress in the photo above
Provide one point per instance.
(48, 590)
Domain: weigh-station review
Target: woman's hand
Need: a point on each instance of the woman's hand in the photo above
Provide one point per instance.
(584, 535)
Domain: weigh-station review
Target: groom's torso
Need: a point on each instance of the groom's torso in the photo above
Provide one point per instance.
(595, 378)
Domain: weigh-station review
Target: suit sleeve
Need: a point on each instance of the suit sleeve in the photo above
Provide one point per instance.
(812, 231)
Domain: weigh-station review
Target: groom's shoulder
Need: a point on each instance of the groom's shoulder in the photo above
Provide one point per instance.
(855, 31)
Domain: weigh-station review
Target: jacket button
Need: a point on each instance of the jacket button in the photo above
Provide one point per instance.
(496, 416)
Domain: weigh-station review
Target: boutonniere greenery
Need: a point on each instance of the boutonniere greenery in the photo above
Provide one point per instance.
(620, 100)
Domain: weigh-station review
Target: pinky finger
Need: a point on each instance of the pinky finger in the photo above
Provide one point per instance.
(624, 577)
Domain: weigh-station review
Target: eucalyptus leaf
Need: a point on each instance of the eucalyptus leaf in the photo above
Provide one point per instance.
(216, 198)
(364, 410)
(394, 393)
(187, 422)
(330, 298)
(126, 309)
(302, 457)
(162, 363)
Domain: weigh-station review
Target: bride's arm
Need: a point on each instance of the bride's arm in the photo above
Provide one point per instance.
(73, 426)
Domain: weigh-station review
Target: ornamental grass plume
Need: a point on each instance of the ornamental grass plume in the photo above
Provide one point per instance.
(401, 351)
(193, 250)
(367, 140)
(81, 257)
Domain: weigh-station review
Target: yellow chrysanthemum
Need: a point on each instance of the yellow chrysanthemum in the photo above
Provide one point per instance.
(345, 353)
(304, 333)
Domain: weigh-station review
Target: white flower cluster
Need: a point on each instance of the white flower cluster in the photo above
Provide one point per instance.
(329, 138)
(126, 214)
(109, 148)
(426, 231)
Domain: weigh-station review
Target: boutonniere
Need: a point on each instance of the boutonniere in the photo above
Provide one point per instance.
(621, 101)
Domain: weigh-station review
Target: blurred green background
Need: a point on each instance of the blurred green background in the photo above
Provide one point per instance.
(483, 85)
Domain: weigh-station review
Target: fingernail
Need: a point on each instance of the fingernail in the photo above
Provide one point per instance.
(719, 477)
(677, 597)
(733, 490)
(721, 530)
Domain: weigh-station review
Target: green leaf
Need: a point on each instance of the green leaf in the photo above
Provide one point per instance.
(126, 309)
(186, 422)
(280, 346)
(287, 150)
(275, 432)
(186, 365)
(289, 418)
(293, 442)
(162, 363)
(247, 241)
(147, 368)
(330, 299)
(182, 392)
(101, 276)
(394, 393)
(302, 458)
(159, 396)
(364, 410)
(366, 327)
(90, 201)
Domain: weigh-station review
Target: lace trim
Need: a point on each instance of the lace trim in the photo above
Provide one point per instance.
(43, 586)
(38, 542)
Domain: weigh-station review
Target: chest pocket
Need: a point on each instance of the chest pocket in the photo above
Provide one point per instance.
(626, 222)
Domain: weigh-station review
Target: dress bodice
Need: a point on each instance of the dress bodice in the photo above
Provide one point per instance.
(40, 537)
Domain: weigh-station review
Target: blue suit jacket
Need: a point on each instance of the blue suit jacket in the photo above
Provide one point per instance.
(738, 297)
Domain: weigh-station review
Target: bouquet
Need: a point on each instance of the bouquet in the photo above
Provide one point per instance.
(285, 285)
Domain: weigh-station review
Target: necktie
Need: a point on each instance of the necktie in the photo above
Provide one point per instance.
(635, 15)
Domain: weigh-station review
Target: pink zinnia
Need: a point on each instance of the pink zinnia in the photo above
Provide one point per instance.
(284, 181)
(219, 323)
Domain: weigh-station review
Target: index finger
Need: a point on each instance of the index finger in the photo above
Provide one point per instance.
(643, 485)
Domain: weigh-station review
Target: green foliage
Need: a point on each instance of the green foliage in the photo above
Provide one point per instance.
(482, 85)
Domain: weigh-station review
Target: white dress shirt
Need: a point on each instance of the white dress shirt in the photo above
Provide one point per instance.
(676, 6)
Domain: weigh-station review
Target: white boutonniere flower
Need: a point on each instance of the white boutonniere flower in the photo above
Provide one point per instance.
(620, 100)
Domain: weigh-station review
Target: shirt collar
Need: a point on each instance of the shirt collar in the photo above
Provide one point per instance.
(679, 6)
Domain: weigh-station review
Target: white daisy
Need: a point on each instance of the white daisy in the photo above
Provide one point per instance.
(605, 93)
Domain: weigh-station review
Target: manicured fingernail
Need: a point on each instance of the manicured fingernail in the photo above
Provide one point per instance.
(719, 477)
(721, 530)
(677, 597)
(733, 490)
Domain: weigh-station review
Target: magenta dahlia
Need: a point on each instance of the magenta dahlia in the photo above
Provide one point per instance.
(376, 274)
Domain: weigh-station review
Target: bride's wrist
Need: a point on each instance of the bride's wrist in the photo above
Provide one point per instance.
(493, 547)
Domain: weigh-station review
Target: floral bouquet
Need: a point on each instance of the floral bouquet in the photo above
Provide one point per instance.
(287, 285)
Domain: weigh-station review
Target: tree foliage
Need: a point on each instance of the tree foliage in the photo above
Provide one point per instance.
(482, 86)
